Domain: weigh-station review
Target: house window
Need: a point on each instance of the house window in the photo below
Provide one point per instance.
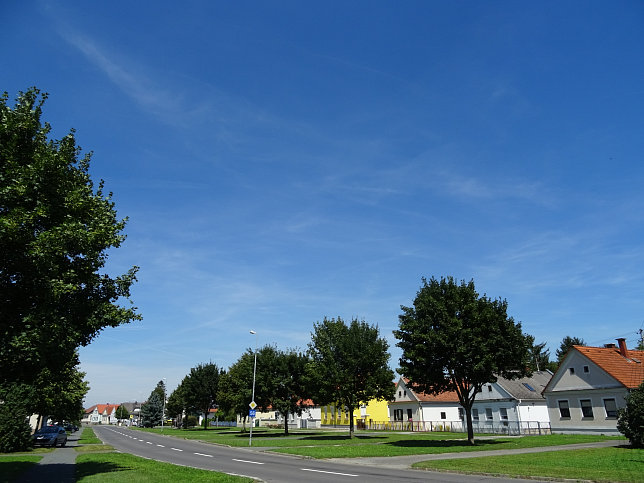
(398, 414)
(586, 408)
(611, 408)
(572, 370)
(564, 409)
(489, 388)
(504, 413)
(529, 387)
(586, 370)
(461, 414)
(488, 414)
(399, 393)
(475, 414)
(443, 415)
(409, 414)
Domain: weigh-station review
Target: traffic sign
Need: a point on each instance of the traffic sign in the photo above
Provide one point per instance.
(251, 413)
(253, 405)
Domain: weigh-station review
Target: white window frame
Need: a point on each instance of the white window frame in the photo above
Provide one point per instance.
(489, 414)
(475, 414)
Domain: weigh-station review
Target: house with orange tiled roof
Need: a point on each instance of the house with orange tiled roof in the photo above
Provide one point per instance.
(415, 410)
(101, 414)
(591, 385)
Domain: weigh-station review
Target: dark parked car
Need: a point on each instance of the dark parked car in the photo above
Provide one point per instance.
(50, 436)
(71, 428)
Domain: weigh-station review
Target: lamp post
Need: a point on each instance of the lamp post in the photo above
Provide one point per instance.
(252, 420)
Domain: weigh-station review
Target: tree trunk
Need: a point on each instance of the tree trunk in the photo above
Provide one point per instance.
(468, 418)
(350, 423)
(286, 424)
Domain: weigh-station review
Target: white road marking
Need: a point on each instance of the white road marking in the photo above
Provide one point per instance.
(148, 442)
(328, 472)
(251, 462)
(160, 446)
(176, 449)
(201, 454)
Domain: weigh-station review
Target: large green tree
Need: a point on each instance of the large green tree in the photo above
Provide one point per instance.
(349, 364)
(281, 381)
(452, 339)
(176, 403)
(56, 228)
(200, 388)
(540, 356)
(152, 409)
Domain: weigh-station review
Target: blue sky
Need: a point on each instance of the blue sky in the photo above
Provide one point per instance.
(284, 161)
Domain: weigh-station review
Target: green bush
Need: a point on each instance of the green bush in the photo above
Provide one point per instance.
(631, 418)
(15, 432)
(191, 421)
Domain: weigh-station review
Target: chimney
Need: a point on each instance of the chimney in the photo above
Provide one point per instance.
(622, 346)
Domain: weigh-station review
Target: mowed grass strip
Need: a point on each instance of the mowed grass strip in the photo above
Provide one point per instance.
(12, 466)
(88, 437)
(120, 467)
(620, 464)
(403, 445)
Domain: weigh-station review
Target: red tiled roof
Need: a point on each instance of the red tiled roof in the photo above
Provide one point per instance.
(627, 370)
(447, 396)
(102, 407)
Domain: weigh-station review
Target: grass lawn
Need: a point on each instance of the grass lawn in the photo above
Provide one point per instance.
(418, 445)
(119, 467)
(331, 444)
(11, 465)
(598, 464)
(88, 437)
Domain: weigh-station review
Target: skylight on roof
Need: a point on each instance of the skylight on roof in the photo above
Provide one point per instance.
(529, 387)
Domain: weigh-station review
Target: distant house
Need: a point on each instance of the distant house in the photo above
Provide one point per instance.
(590, 386)
(101, 414)
(372, 411)
(514, 406)
(413, 409)
(310, 418)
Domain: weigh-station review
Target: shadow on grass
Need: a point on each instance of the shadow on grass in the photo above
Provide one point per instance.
(342, 437)
(89, 468)
(9, 470)
(449, 443)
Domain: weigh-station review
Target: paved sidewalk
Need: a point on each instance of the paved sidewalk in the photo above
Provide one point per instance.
(405, 462)
(58, 466)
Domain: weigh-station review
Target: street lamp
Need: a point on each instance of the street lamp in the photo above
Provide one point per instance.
(252, 419)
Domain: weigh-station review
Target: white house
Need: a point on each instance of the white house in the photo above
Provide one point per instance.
(513, 406)
(590, 386)
(425, 412)
(101, 414)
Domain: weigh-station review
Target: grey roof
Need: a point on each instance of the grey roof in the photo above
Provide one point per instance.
(518, 389)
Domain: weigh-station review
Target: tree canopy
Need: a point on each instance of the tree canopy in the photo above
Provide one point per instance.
(200, 388)
(566, 345)
(55, 230)
(281, 381)
(349, 364)
(452, 339)
(235, 386)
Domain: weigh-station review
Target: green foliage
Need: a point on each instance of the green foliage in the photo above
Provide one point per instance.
(191, 421)
(152, 410)
(176, 404)
(15, 432)
(349, 364)
(566, 345)
(452, 339)
(122, 412)
(236, 385)
(280, 382)
(631, 418)
(540, 356)
(56, 228)
(200, 388)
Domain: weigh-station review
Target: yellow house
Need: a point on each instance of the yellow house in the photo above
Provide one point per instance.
(374, 410)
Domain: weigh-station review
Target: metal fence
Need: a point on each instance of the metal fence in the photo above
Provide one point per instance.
(511, 428)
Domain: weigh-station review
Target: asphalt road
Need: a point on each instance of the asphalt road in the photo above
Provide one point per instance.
(269, 467)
